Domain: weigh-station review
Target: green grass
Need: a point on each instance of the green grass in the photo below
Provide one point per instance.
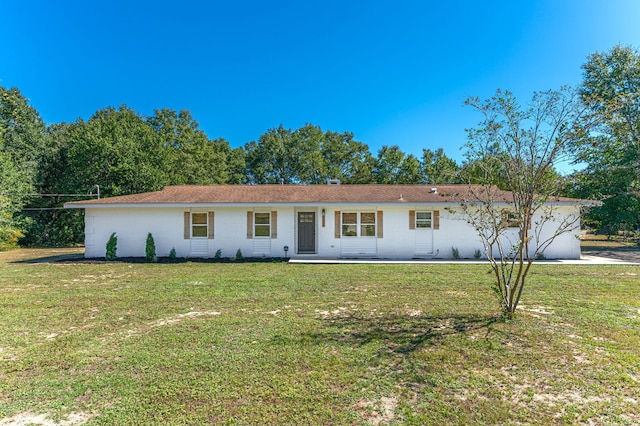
(273, 343)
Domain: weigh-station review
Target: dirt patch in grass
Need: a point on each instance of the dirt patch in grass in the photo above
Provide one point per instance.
(535, 310)
(173, 320)
(30, 418)
(379, 412)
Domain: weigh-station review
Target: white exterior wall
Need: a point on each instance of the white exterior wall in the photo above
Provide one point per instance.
(398, 241)
(132, 225)
(457, 233)
(567, 245)
(328, 245)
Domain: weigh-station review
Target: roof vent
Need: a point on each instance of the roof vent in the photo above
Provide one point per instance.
(433, 191)
(333, 181)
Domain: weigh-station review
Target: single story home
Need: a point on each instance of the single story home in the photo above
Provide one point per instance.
(325, 221)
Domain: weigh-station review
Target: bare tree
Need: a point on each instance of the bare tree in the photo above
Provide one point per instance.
(517, 223)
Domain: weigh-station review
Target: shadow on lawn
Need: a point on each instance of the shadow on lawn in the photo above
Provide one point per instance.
(60, 258)
(403, 335)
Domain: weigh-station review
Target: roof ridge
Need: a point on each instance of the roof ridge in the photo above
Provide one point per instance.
(294, 194)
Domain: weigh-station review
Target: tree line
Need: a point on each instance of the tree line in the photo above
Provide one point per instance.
(124, 152)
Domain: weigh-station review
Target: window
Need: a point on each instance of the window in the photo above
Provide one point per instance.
(361, 224)
(199, 225)
(367, 224)
(262, 224)
(423, 219)
(350, 224)
(510, 219)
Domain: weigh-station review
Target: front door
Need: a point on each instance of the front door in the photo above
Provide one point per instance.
(306, 232)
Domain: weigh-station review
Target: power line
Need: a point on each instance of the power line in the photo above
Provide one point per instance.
(41, 208)
(88, 194)
(48, 195)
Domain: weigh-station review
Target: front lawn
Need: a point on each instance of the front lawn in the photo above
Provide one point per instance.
(273, 343)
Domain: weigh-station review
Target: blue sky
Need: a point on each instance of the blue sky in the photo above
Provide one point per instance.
(390, 72)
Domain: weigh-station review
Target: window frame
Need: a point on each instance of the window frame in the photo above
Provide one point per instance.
(359, 225)
(419, 221)
(204, 225)
(261, 226)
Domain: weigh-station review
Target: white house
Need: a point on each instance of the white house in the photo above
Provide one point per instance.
(327, 221)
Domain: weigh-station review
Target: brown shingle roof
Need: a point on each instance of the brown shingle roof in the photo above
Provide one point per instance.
(302, 194)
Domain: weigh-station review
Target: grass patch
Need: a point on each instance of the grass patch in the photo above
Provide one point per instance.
(273, 343)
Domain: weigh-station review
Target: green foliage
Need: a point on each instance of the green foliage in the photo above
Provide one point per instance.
(284, 156)
(269, 160)
(455, 252)
(237, 166)
(191, 158)
(112, 247)
(218, 254)
(48, 224)
(124, 153)
(14, 187)
(23, 134)
(117, 150)
(392, 166)
(172, 253)
(610, 89)
(437, 168)
(346, 159)
(618, 214)
(239, 254)
(477, 254)
(9, 237)
(307, 156)
(150, 248)
(23, 143)
(52, 228)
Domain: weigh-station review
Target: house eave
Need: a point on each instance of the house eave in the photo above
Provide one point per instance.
(294, 204)
(248, 204)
